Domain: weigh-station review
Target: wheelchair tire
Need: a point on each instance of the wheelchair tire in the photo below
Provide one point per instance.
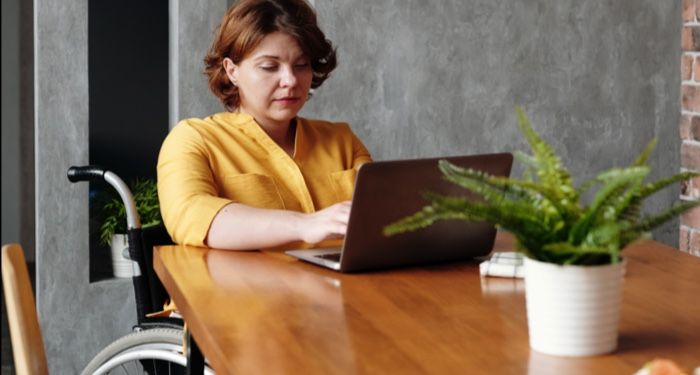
(151, 351)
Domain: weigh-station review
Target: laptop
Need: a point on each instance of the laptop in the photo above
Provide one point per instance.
(386, 191)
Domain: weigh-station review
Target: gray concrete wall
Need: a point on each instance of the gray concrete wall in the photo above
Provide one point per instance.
(598, 79)
(415, 79)
(192, 25)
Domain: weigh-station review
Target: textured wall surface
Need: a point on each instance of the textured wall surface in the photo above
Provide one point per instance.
(193, 23)
(598, 79)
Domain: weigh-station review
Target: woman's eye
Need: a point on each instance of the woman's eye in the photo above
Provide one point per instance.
(269, 68)
(302, 65)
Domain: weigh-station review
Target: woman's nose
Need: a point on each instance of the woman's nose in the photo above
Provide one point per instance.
(289, 78)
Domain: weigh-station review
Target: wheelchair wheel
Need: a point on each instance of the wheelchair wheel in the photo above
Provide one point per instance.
(152, 351)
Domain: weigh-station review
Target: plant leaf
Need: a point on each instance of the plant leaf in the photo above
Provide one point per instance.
(650, 222)
(550, 170)
(617, 181)
(642, 158)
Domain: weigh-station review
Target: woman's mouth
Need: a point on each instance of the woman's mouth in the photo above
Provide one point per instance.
(286, 101)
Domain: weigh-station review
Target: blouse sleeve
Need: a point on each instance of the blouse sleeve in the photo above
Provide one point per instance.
(360, 153)
(186, 189)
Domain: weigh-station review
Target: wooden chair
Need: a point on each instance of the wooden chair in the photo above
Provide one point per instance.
(25, 332)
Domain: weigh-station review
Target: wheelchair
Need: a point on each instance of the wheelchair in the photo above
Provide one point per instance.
(156, 344)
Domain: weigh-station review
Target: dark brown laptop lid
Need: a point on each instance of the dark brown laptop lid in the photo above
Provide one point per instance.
(390, 190)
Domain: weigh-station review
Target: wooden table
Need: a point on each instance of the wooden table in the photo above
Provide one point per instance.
(263, 313)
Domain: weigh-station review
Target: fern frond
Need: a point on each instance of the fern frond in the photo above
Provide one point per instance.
(476, 181)
(586, 185)
(642, 158)
(113, 213)
(550, 171)
(650, 222)
(633, 210)
(618, 180)
(628, 236)
(530, 164)
(461, 208)
(608, 233)
(516, 217)
(566, 253)
(496, 188)
(626, 202)
(653, 187)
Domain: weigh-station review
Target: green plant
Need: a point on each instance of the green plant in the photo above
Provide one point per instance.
(113, 213)
(544, 211)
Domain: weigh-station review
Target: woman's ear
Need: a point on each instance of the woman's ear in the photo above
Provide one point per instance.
(231, 70)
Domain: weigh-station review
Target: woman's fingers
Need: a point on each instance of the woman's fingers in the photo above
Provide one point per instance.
(329, 223)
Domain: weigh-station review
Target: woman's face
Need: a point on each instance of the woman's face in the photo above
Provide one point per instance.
(273, 80)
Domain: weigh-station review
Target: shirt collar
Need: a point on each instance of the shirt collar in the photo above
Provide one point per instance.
(250, 126)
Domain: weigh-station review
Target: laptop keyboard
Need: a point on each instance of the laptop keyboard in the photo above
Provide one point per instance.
(332, 256)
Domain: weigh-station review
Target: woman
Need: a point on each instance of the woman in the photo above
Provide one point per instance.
(258, 176)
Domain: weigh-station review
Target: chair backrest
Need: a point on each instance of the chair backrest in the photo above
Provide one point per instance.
(25, 332)
(154, 236)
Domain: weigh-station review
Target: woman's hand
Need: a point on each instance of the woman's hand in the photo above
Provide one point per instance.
(328, 223)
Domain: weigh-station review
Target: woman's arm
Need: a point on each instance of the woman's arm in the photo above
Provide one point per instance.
(241, 227)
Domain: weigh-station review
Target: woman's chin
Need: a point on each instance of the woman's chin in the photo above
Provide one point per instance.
(285, 114)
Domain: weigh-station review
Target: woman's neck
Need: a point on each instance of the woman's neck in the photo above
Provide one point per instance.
(280, 133)
(284, 136)
(283, 133)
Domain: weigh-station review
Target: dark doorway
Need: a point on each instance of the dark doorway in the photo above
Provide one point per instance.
(128, 83)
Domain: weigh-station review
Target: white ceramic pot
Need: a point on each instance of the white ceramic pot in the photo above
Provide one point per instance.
(121, 266)
(573, 310)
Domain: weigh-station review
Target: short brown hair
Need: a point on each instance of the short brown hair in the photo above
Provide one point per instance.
(244, 26)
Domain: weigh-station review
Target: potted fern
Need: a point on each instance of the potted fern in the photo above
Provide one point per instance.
(113, 228)
(572, 248)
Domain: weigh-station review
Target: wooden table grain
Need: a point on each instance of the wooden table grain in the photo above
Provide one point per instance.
(266, 313)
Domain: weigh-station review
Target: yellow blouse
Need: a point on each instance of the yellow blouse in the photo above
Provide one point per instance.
(205, 164)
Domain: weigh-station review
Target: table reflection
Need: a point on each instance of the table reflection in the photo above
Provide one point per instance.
(494, 287)
(303, 308)
(543, 364)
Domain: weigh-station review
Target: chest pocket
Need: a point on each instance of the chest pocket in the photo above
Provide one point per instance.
(255, 190)
(343, 183)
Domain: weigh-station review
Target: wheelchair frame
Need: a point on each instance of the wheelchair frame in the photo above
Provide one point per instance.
(152, 339)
